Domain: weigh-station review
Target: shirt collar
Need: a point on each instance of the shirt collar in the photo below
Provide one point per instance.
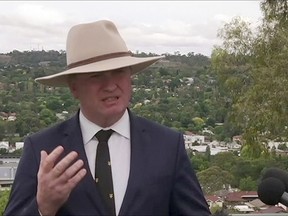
(89, 129)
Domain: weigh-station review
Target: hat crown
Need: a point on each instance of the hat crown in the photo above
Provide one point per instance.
(92, 40)
(96, 47)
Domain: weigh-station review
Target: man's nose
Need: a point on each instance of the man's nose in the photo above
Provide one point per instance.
(109, 82)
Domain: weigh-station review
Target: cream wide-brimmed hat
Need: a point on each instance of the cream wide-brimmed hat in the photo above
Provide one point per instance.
(96, 47)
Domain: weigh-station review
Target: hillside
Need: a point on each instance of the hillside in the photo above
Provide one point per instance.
(179, 91)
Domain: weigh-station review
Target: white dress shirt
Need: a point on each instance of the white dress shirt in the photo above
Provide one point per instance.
(119, 149)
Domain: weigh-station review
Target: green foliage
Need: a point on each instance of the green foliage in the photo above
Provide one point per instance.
(199, 162)
(251, 67)
(219, 212)
(283, 147)
(275, 11)
(243, 172)
(248, 184)
(224, 160)
(208, 153)
(214, 179)
(4, 196)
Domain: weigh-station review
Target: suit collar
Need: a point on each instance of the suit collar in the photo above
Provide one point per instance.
(88, 128)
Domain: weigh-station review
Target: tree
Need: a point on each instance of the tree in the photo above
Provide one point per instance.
(214, 179)
(248, 184)
(283, 147)
(47, 116)
(220, 212)
(199, 123)
(275, 11)
(252, 68)
(208, 153)
(224, 160)
(199, 162)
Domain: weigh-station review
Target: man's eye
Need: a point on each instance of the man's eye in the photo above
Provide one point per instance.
(95, 75)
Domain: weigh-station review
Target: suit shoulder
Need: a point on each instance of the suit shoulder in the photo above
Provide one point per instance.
(157, 127)
(52, 130)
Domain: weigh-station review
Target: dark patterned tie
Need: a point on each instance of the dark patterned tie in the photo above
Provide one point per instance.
(103, 173)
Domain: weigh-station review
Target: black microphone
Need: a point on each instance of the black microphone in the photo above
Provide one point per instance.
(271, 191)
(279, 174)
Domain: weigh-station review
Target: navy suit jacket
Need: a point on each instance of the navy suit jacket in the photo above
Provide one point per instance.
(161, 180)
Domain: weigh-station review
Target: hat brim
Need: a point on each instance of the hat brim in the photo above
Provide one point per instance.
(137, 64)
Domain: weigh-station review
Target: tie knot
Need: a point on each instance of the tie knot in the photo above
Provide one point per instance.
(103, 135)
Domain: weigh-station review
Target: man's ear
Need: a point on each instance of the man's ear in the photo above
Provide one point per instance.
(72, 86)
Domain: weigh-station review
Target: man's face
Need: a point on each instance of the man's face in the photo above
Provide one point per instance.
(103, 96)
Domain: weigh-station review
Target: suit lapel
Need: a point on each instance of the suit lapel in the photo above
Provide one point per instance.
(73, 142)
(139, 137)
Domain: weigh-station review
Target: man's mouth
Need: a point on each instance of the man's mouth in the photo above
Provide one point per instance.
(110, 99)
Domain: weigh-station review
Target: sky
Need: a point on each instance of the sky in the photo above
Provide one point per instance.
(147, 26)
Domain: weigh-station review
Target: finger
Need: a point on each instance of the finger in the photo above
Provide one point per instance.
(77, 178)
(54, 155)
(43, 155)
(72, 170)
(62, 165)
(48, 161)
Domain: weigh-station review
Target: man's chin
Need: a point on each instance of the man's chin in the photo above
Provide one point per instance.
(114, 111)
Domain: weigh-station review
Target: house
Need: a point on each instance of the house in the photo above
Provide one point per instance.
(257, 204)
(44, 63)
(240, 197)
(238, 139)
(243, 208)
(8, 116)
(4, 145)
(203, 148)
(214, 200)
(12, 118)
(19, 145)
(191, 138)
(4, 115)
(189, 81)
(272, 210)
(247, 202)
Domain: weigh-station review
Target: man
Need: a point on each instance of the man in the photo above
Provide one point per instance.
(146, 172)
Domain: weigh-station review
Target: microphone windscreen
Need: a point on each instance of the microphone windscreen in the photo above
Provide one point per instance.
(270, 190)
(279, 174)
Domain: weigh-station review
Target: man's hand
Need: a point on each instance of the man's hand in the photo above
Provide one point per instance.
(56, 181)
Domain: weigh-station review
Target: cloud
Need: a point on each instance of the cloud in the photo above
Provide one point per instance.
(39, 15)
(148, 26)
(33, 26)
(172, 35)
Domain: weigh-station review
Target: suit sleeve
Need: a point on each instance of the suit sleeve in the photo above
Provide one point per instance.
(22, 200)
(187, 196)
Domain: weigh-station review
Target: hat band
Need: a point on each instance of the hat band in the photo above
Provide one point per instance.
(99, 58)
